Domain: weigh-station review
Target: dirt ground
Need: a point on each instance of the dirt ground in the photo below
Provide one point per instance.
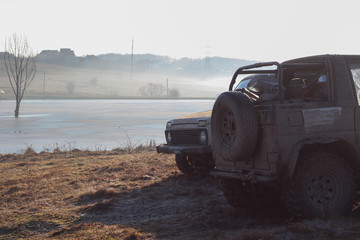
(135, 195)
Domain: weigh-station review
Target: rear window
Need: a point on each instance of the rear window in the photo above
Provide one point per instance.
(355, 72)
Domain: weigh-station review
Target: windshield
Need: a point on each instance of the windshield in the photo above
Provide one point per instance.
(243, 84)
(259, 87)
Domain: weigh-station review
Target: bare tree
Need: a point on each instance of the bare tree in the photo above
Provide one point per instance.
(20, 66)
(174, 92)
(152, 90)
(70, 86)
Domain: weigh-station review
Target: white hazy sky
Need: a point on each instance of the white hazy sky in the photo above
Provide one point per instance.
(263, 30)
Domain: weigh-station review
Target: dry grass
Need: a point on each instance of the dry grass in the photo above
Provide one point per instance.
(133, 195)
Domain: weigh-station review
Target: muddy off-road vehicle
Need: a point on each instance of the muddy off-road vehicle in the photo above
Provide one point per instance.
(298, 142)
(189, 138)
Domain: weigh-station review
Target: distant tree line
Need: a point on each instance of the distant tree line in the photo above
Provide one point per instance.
(158, 90)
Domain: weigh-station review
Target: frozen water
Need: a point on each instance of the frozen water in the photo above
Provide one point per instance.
(89, 124)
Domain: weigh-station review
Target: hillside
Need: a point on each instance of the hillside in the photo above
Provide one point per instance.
(62, 74)
(201, 67)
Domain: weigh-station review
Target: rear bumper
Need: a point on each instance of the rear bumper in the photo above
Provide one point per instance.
(184, 149)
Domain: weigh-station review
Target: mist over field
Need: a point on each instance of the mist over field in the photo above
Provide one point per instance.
(62, 74)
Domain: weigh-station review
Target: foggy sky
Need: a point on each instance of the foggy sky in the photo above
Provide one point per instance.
(253, 30)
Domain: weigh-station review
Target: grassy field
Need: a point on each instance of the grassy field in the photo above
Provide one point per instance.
(134, 195)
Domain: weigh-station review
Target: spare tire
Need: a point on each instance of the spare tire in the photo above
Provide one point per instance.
(234, 127)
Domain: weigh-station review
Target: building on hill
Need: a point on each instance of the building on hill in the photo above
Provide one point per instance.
(48, 54)
(64, 52)
(2, 55)
(91, 59)
(67, 52)
(65, 56)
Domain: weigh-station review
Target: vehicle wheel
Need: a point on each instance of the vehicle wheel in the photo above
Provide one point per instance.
(255, 197)
(322, 186)
(234, 127)
(194, 164)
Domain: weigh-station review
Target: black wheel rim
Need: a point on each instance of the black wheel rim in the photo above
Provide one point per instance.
(322, 190)
(228, 127)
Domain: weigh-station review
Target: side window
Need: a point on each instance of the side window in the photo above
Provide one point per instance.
(355, 72)
(307, 84)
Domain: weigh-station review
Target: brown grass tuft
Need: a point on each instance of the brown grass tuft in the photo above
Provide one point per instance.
(102, 206)
(29, 152)
(101, 193)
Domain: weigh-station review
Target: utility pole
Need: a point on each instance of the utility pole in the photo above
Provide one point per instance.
(167, 87)
(132, 60)
(44, 87)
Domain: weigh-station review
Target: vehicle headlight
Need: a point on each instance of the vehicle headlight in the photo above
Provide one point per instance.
(202, 123)
(203, 137)
(168, 137)
(168, 124)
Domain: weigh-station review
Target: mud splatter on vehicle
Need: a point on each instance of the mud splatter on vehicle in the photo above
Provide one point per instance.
(293, 140)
